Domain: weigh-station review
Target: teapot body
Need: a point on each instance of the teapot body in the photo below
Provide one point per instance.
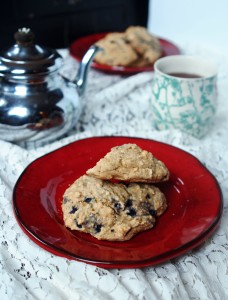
(40, 107)
(36, 102)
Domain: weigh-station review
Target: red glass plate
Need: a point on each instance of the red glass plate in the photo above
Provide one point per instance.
(79, 47)
(193, 195)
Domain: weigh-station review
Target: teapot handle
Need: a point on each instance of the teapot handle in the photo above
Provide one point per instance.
(81, 77)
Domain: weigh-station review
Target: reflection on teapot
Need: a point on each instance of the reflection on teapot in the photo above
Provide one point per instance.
(36, 102)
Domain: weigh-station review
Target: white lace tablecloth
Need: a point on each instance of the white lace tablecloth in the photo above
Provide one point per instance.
(116, 105)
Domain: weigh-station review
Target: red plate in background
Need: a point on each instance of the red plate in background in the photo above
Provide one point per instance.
(79, 47)
(193, 195)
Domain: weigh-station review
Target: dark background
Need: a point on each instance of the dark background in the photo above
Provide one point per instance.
(56, 23)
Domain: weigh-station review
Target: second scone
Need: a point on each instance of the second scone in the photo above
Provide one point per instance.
(130, 163)
(111, 211)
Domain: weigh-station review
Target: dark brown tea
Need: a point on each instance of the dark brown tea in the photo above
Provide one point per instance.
(184, 75)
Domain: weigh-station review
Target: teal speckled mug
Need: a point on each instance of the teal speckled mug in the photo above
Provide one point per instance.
(184, 94)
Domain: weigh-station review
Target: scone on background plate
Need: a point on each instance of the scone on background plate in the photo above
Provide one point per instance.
(144, 43)
(130, 163)
(116, 52)
(111, 211)
(135, 47)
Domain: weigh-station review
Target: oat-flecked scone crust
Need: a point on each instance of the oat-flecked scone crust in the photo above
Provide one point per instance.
(111, 211)
(130, 163)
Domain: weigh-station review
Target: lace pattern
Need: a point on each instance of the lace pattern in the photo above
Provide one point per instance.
(115, 105)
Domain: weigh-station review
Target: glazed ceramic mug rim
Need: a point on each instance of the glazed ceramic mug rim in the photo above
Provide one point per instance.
(199, 65)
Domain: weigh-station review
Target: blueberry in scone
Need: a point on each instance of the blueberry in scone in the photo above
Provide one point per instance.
(111, 211)
(130, 163)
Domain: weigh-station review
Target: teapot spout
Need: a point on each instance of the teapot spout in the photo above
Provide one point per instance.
(81, 77)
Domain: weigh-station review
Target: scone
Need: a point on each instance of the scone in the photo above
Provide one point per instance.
(115, 36)
(130, 163)
(115, 51)
(135, 47)
(145, 44)
(111, 211)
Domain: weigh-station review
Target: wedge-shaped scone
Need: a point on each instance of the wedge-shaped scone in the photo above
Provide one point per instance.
(130, 163)
(115, 51)
(143, 42)
(111, 211)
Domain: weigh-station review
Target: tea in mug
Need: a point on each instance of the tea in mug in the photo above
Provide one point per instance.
(184, 75)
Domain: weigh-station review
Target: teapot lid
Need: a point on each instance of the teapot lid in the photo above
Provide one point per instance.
(26, 58)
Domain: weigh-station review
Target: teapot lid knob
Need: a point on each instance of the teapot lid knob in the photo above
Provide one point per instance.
(24, 37)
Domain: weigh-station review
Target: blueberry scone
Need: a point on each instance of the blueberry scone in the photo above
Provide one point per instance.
(111, 211)
(144, 43)
(135, 47)
(130, 163)
(115, 51)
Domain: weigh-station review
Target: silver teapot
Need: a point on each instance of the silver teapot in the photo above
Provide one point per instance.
(36, 102)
